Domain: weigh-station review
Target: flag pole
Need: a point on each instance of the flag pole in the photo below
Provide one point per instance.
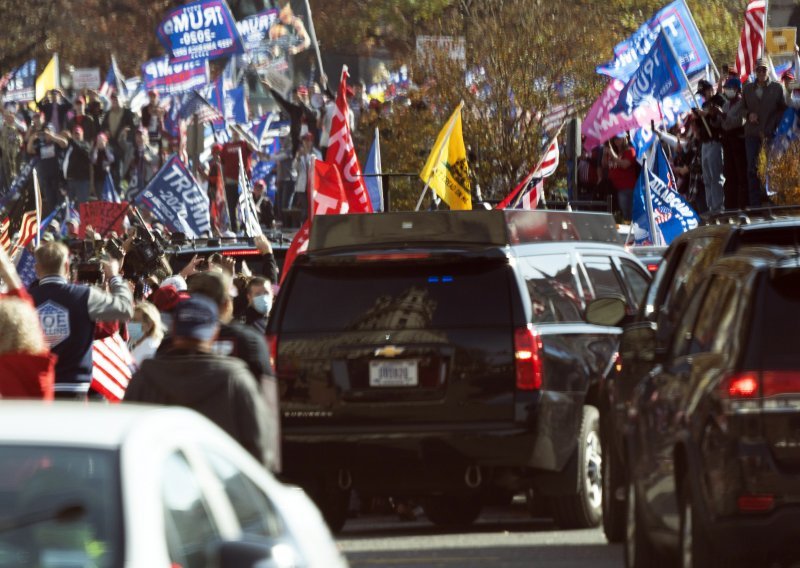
(314, 37)
(702, 39)
(685, 78)
(539, 165)
(37, 196)
(648, 202)
(445, 143)
(379, 167)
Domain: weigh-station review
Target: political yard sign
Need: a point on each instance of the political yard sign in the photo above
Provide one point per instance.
(175, 198)
(201, 29)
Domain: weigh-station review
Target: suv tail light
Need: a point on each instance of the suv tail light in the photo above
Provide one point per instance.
(272, 341)
(528, 358)
(775, 383)
(742, 385)
(755, 503)
(754, 391)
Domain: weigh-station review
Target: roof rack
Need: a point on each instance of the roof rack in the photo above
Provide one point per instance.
(476, 227)
(747, 215)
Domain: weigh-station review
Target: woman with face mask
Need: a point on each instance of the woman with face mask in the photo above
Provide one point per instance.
(145, 331)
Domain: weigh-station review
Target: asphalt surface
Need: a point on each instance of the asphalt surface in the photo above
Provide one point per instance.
(501, 537)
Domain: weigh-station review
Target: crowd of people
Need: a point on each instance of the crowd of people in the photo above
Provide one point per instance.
(714, 151)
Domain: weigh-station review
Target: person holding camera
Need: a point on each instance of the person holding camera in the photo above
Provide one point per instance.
(45, 144)
(68, 313)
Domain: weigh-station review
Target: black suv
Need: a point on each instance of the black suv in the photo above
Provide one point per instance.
(714, 432)
(446, 355)
(678, 274)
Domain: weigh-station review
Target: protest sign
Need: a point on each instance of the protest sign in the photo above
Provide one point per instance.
(20, 85)
(677, 22)
(175, 198)
(167, 78)
(103, 217)
(198, 30)
(86, 78)
(255, 29)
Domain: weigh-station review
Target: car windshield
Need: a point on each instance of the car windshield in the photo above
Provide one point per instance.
(779, 331)
(38, 487)
(400, 296)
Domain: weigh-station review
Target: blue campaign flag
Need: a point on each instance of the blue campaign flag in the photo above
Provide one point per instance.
(672, 214)
(26, 268)
(176, 199)
(236, 106)
(676, 20)
(21, 84)
(642, 140)
(262, 170)
(167, 77)
(788, 130)
(200, 29)
(49, 219)
(109, 192)
(254, 29)
(19, 182)
(372, 174)
(657, 77)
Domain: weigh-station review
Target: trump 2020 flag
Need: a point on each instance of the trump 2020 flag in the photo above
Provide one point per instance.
(676, 19)
(372, 174)
(20, 85)
(198, 30)
(671, 213)
(659, 75)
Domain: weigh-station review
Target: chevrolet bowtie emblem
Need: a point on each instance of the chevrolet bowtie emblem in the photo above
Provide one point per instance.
(389, 351)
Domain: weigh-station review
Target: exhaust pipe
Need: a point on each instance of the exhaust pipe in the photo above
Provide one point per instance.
(473, 477)
(345, 479)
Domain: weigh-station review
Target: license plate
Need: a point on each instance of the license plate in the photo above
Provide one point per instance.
(393, 374)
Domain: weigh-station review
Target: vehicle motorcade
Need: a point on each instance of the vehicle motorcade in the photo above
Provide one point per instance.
(683, 267)
(713, 436)
(99, 486)
(447, 356)
(650, 256)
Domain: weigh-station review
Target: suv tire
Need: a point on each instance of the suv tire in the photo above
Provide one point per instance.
(613, 481)
(639, 550)
(584, 508)
(453, 511)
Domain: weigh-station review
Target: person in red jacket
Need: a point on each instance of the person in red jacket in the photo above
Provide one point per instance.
(27, 368)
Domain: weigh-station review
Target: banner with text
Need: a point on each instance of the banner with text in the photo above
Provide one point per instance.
(21, 84)
(168, 78)
(103, 216)
(255, 29)
(176, 199)
(198, 30)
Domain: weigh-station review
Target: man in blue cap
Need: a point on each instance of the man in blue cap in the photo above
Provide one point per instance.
(189, 374)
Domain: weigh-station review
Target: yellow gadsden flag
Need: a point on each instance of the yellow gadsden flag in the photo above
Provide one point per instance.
(446, 170)
(48, 80)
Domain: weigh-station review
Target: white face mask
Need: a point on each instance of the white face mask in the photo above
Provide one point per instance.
(262, 304)
(729, 93)
(135, 331)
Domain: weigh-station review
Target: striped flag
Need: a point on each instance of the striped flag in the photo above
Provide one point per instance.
(195, 104)
(752, 40)
(112, 367)
(546, 168)
(531, 195)
(246, 208)
(5, 238)
(27, 231)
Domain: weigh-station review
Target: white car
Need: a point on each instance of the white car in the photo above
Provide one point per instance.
(98, 486)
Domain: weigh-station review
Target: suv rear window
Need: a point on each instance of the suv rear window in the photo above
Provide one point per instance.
(779, 330)
(398, 296)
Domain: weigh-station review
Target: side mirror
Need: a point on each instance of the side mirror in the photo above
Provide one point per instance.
(639, 343)
(249, 554)
(607, 311)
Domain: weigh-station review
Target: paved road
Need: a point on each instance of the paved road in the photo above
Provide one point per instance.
(501, 537)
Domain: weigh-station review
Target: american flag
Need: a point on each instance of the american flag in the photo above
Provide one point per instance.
(26, 268)
(27, 231)
(546, 168)
(5, 238)
(752, 40)
(195, 104)
(531, 195)
(112, 367)
(662, 214)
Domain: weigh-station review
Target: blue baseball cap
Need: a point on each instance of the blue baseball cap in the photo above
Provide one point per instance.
(733, 83)
(195, 318)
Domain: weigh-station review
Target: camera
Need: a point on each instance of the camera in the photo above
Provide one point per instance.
(90, 272)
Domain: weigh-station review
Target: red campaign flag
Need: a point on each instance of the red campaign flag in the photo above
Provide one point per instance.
(329, 194)
(342, 153)
(111, 372)
(299, 246)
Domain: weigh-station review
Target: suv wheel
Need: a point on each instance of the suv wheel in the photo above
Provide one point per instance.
(613, 483)
(695, 549)
(584, 508)
(453, 511)
(639, 551)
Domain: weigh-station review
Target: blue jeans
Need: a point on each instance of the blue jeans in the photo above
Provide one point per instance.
(78, 190)
(625, 198)
(752, 147)
(713, 178)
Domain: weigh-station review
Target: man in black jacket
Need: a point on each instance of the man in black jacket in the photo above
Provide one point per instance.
(188, 374)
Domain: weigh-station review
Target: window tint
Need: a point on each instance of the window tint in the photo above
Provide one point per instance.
(683, 333)
(712, 331)
(37, 479)
(636, 281)
(552, 288)
(254, 510)
(398, 296)
(603, 276)
(188, 522)
(778, 323)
